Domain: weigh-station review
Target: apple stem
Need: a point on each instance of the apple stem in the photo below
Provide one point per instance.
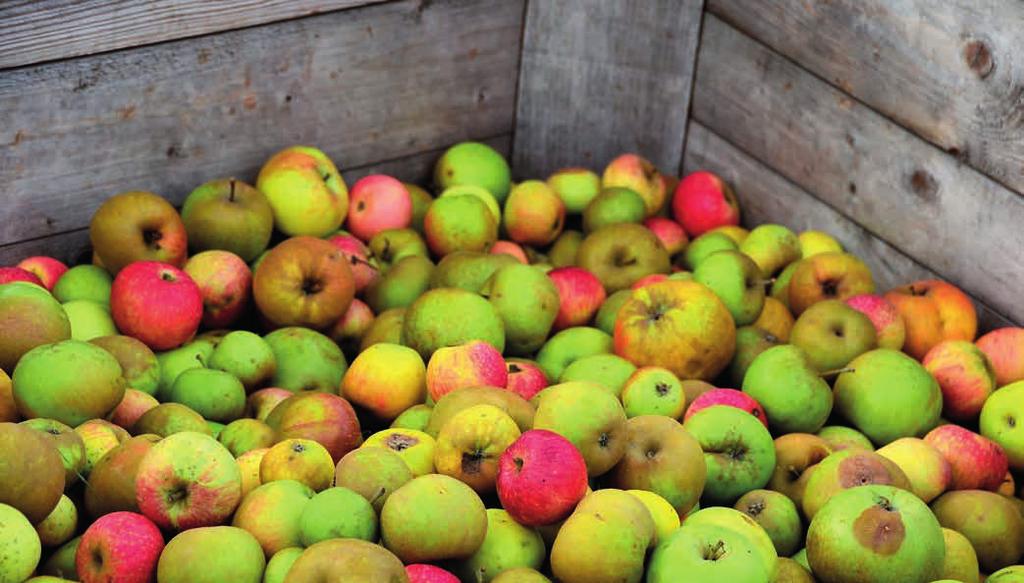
(768, 281)
(377, 496)
(358, 260)
(836, 371)
(231, 195)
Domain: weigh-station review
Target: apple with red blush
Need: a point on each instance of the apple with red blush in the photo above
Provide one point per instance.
(730, 397)
(541, 478)
(156, 303)
(580, 295)
(47, 269)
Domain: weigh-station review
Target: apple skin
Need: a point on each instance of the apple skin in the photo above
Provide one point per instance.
(1000, 422)
(460, 222)
(639, 175)
(33, 477)
(525, 378)
(612, 206)
(722, 432)
(1005, 349)
(415, 509)
(305, 190)
(416, 448)
(728, 397)
(449, 317)
(796, 456)
(965, 376)
(652, 390)
(47, 269)
(243, 435)
(139, 366)
(469, 446)
(378, 202)
(509, 248)
(576, 187)
(707, 552)
(272, 513)
(621, 253)
(29, 317)
(225, 283)
(527, 301)
(589, 416)
(364, 271)
(977, 462)
(889, 326)
(303, 460)
(19, 545)
(506, 545)
(828, 276)
(926, 468)
(805, 404)
(99, 437)
(534, 214)
(9, 409)
(307, 361)
(933, 311)
(423, 573)
(373, 472)
(473, 364)
(262, 402)
(386, 379)
(775, 319)
(120, 546)
(137, 226)
(736, 280)
(991, 522)
(303, 282)
(840, 437)
(156, 303)
(230, 215)
(580, 295)
(84, 282)
(188, 480)
(777, 515)
(68, 444)
(818, 242)
(703, 201)
(541, 478)
(678, 325)
(832, 334)
(663, 458)
(212, 553)
(167, 419)
(12, 274)
(476, 164)
(670, 233)
(348, 332)
(321, 417)
(112, 480)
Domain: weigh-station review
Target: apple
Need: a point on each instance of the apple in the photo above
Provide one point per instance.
(61, 563)
(620, 254)
(348, 332)
(214, 394)
(563, 251)
(321, 417)
(1005, 350)
(272, 513)
(13, 274)
(372, 472)
(965, 376)
(245, 356)
(609, 310)
(663, 458)
(587, 415)
(670, 233)
(243, 435)
(416, 417)
(751, 341)
(506, 545)
(541, 477)
(828, 276)
(378, 202)
(977, 462)
(167, 419)
(121, 546)
(738, 452)
(653, 390)
(99, 437)
(991, 523)
(387, 379)
(528, 302)
(533, 214)
(772, 247)
(174, 362)
(306, 360)
(32, 480)
(777, 515)
(840, 438)
(702, 202)
(262, 402)
(475, 164)
(112, 480)
(211, 553)
(475, 363)
(84, 282)
(639, 175)
(468, 270)
(364, 271)
(229, 215)
(832, 334)
(509, 248)
(137, 226)
(817, 242)
(68, 444)
(519, 575)
(678, 325)
(729, 398)
(346, 560)
(889, 326)
(961, 563)
(416, 448)
(576, 187)
(139, 365)
(847, 469)
(460, 222)
(580, 295)
(706, 245)
(337, 513)
(796, 456)
(409, 520)
(875, 533)
(88, 319)
(19, 545)
(9, 409)
(280, 563)
(303, 282)
(926, 468)
(424, 573)
(933, 311)
(47, 269)
(449, 317)
(521, 411)
(525, 378)
(775, 319)
(421, 201)
(1000, 418)
(879, 390)
(29, 317)
(469, 445)
(156, 303)
(188, 480)
(707, 552)
(390, 246)
(306, 192)
(224, 282)
(611, 206)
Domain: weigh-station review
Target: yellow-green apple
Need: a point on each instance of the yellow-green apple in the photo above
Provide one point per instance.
(31, 472)
(831, 334)
(68, 444)
(1005, 350)
(839, 438)
(171, 363)
(372, 472)
(475, 164)
(576, 187)
(137, 226)
(449, 317)
(84, 282)
(470, 444)
(8, 408)
(1001, 419)
(262, 402)
(416, 417)
(60, 525)
(666, 519)
(112, 481)
(306, 360)
(751, 341)
(605, 539)
(303, 460)
(525, 377)
(620, 254)
(348, 331)
(88, 319)
(965, 376)
(211, 553)
(507, 545)
(528, 302)
(156, 303)
(214, 394)
(70, 381)
(61, 563)
(663, 458)
(517, 575)
(387, 379)
(47, 269)
(875, 533)
(780, 288)
(321, 417)
(421, 200)
(639, 175)
(775, 319)
(139, 365)
(364, 271)
(511, 249)
(729, 398)
(926, 468)
(303, 281)
(400, 285)
(607, 370)
(468, 270)
(796, 456)
(991, 523)
(563, 251)
(878, 391)
(247, 357)
(386, 327)
(306, 192)
(99, 437)
(670, 233)
(612, 206)
(521, 411)
(121, 546)
(653, 390)
(828, 276)
(818, 242)
(849, 469)
(411, 514)
(777, 515)
(772, 247)
(244, 435)
(678, 325)
(738, 452)
(346, 560)
(416, 448)
(978, 463)
(541, 477)
(459, 223)
(337, 513)
(167, 419)
(29, 317)
(378, 202)
(580, 295)
(475, 363)
(534, 214)
(188, 480)
(702, 201)
(19, 545)
(736, 280)
(272, 513)
(888, 322)
(709, 552)
(933, 311)
(229, 215)
(225, 283)
(590, 417)
(390, 246)
(961, 563)
(609, 310)
(13, 274)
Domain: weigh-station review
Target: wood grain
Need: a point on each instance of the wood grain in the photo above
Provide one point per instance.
(600, 78)
(767, 197)
(375, 83)
(950, 70)
(949, 217)
(73, 246)
(33, 31)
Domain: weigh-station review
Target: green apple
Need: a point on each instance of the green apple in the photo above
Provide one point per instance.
(527, 301)
(20, 548)
(60, 525)
(272, 513)
(839, 438)
(450, 317)
(663, 458)
(589, 416)
(214, 394)
(613, 205)
(789, 571)
(390, 246)
(704, 246)
(468, 270)
(68, 444)
(1011, 574)
(89, 319)
(280, 563)
(751, 341)
(653, 390)
(172, 363)
(476, 164)
(806, 402)
(832, 334)
(170, 418)
(31, 318)
(576, 187)
(845, 469)
(772, 247)
(416, 417)
(84, 282)
(306, 192)
(607, 370)
(139, 366)
(62, 562)
(306, 360)
(242, 435)
(620, 254)
(780, 289)
(337, 513)
(738, 452)
(386, 328)
(247, 357)
(736, 280)
(507, 545)
(706, 553)
(459, 223)
(521, 575)
(777, 515)
(228, 214)
(570, 345)
(609, 310)
(212, 553)
(565, 248)
(1001, 421)
(400, 285)
(961, 562)
(411, 515)
(990, 521)
(736, 521)
(373, 472)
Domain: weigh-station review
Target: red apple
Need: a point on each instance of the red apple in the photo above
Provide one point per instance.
(541, 478)
(703, 201)
(888, 322)
(580, 295)
(473, 364)
(349, 330)
(509, 248)
(47, 269)
(120, 546)
(364, 273)
(670, 233)
(730, 397)
(156, 303)
(648, 280)
(321, 417)
(525, 378)
(978, 463)
(262, 403)
(378, 202)
(423, 573)
(1005, 349)
(9, 274)
(225, 283)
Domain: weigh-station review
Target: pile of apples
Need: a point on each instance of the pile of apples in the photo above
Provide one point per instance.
(583, 379)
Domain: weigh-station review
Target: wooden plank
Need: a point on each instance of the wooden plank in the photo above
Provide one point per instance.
(949, 217)
(950, 70)
(599, 78)
(370, 84)
(73, 247)
(33, 31)
(767, 197)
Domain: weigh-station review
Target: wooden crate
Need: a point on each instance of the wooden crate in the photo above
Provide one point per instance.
(897, 125)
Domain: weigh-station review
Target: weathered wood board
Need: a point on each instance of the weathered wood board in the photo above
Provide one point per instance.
(599, 78)
(945, 215)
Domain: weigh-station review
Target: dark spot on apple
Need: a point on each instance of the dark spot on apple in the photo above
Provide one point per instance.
(861, 470)
(656, 312)
(168, 276)
(736, 451)
(361, 205)
(838, 331)
(917, 291)
(298, 447)
(830, 288)
(651, 453)
(151, 237)
(53, 431)
(385, 253)
(1011, 421)
(755, 507)
(97, 556)
(312, 286)
(518, 461)
(661, 388)
(513, 368)
(399, 442)
(326, 176)
(558, 224)
(880, 528)
(714, 552)
(603, 439)
(472, 460)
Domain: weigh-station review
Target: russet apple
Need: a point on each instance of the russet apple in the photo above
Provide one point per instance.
(68, 444)
(211, 553)
(620, 254)
(378, 202)
(229, 215)
(933, 311)
(305, 190)
(702, 201)
(32, 480)
(991, 523)
(112, 480)
(137, 226)
(29, 317)
(303, 282)
(828, 276)
(139, 365)
(663, 458)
